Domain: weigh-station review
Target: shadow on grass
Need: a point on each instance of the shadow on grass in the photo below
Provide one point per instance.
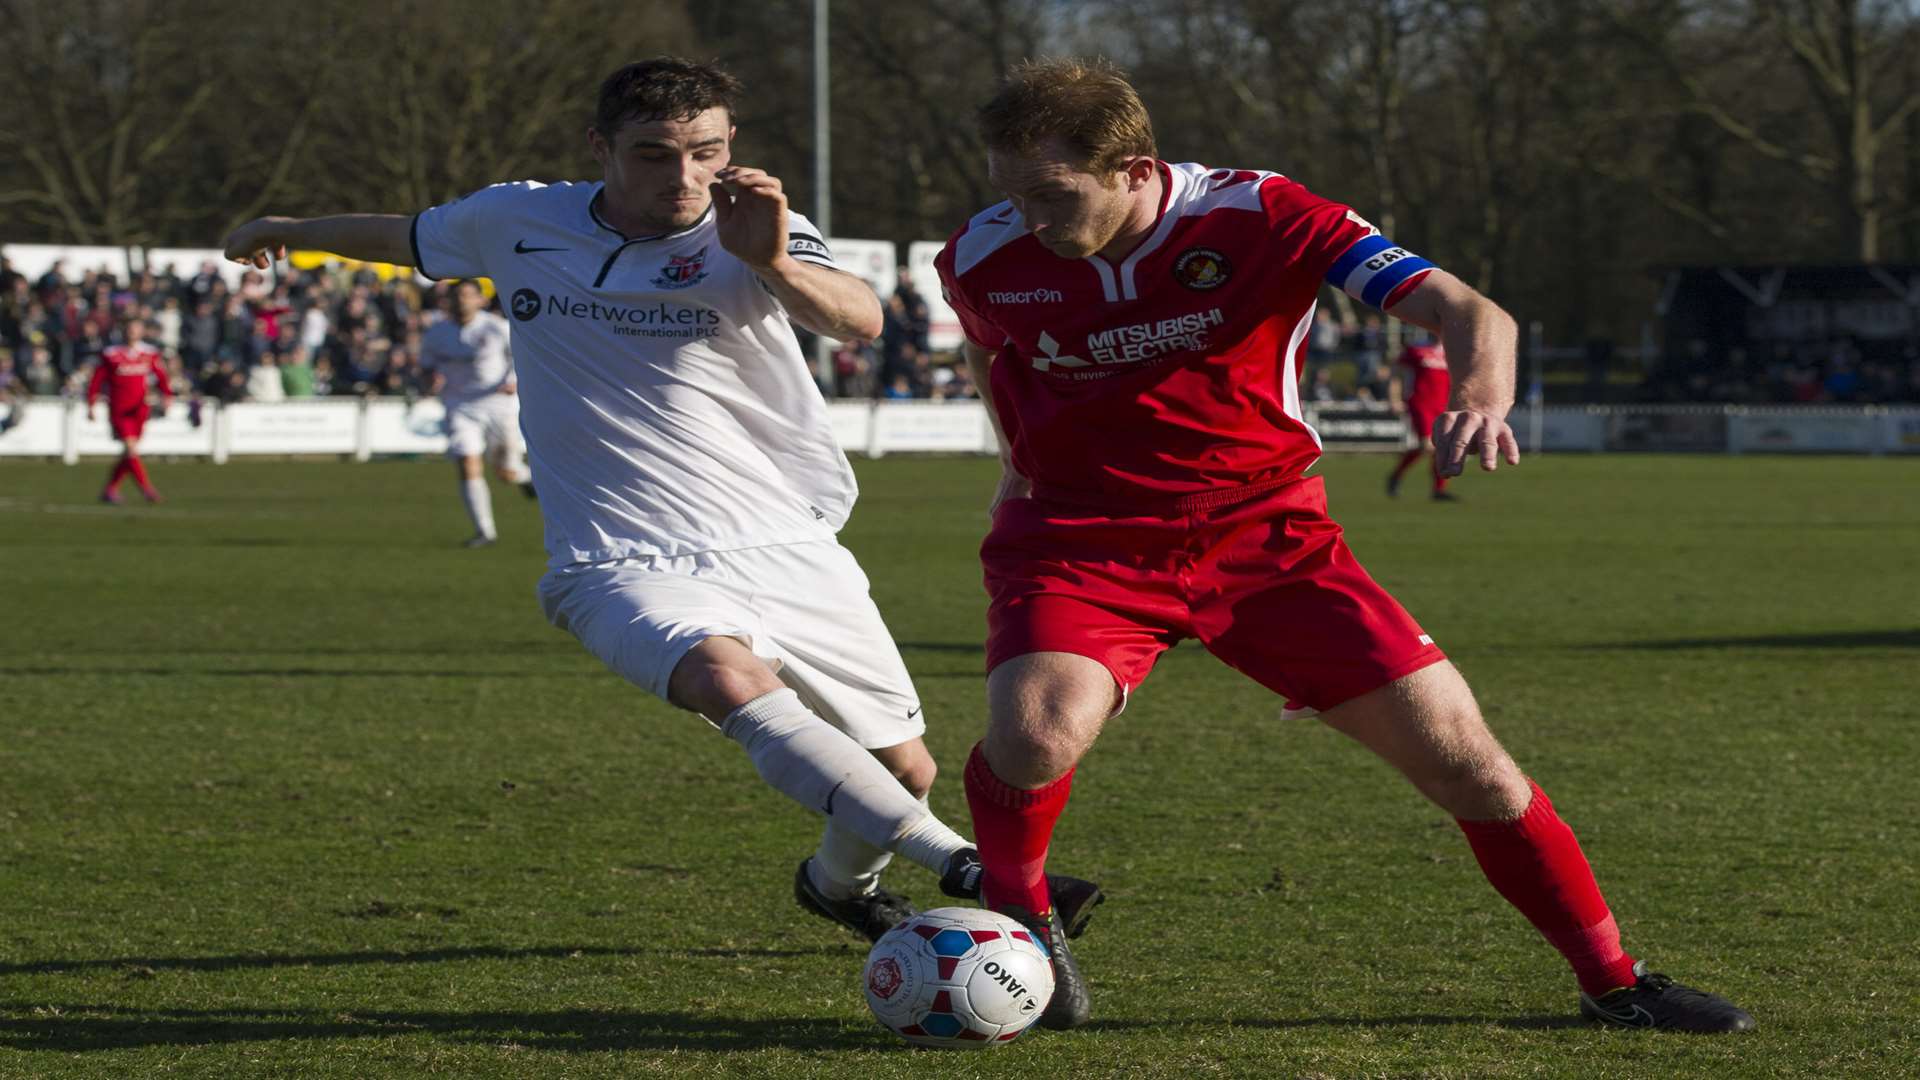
(1517, 1023)
(71, 1028)
(1856, 639)
(284, 673)
(149, 964)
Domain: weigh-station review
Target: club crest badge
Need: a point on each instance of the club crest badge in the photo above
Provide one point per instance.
(1202, 269)
(884, 978)
(682, 271)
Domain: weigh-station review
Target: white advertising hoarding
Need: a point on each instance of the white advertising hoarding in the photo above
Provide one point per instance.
(959, 427)
(34, 429)
(169, 433)
(873, 261)
(33, 260)
(296, 427)
(396, 427)
(1828, 433)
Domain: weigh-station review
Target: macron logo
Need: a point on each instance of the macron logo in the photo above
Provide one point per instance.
(1029, 296)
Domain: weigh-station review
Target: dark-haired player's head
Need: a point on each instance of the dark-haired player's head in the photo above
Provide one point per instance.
(467, 299)
(661, 129)
(1070, 144)
(135, 331)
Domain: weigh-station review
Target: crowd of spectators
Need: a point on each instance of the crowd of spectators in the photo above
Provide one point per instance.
(333, 331)
(1832, 371)
(314, 333)
(898, 365)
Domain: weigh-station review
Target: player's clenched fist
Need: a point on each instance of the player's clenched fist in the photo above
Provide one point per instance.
(258, 242)
(750, 214)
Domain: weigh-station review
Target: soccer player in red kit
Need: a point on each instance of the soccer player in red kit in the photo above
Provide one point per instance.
(1137, 328)
(123, 372)
(1423, 391)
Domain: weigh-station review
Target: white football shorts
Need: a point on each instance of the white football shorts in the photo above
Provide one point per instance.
(804, 608)
(487, 427)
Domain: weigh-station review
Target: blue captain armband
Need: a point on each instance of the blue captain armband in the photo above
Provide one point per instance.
(1373, 268)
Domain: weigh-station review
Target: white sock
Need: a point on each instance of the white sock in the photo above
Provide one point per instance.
(816, 765)
(930, 843)
(845, 865)
(479, 505)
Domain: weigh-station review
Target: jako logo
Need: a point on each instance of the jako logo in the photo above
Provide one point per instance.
(525, 304)
(1005, 978)
(1030, 296)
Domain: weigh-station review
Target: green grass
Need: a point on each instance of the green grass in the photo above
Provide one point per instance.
(291, 785)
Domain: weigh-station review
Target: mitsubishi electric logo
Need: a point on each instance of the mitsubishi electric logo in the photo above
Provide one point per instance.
(1135, 342)
(1052, 349)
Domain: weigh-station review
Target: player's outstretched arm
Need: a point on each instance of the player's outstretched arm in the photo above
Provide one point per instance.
(750, 214)
(383, 238)
(1480, 340)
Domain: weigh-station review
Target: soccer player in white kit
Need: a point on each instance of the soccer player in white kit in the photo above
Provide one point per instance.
(470, 355)
(688, 475)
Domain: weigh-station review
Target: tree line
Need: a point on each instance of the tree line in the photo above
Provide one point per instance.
(1555, 153)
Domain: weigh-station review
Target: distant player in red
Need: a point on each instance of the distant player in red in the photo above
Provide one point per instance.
(1137, 328)
(1423, 391)
(124, 372)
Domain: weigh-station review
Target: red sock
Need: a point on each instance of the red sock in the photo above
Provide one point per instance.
(1406, 461)
(1439, 482)
(120, 470)
(139, 470)
(1535, 862)
(1013, 828)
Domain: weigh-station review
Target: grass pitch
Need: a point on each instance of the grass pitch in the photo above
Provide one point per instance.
(295, 786)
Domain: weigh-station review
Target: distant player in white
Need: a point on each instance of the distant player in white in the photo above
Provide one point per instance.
(470, 355)
(688, 475)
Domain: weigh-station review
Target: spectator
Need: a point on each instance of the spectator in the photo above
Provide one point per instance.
(168, 324)
(296, 373)
(263, 381)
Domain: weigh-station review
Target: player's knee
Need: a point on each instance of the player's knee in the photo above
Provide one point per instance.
(713, 683)
(917, 776)
(1036, 746)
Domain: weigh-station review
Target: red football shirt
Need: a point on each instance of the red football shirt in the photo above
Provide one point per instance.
(123, 372)
(1176, 372)
(1428, 383)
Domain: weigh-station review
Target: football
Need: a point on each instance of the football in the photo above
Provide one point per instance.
(958, 977)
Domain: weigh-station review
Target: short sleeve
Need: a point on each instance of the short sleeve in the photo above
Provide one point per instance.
(446, 238)
(978, 329)
(805, 243)
(1343, 248)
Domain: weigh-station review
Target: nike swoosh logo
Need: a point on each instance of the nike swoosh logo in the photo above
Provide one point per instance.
(831, 794)
(913, 712)
(1634, 1015)
(521, 248)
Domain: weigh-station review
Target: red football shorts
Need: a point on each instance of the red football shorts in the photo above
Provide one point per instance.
(129, 423)
(1266, 584)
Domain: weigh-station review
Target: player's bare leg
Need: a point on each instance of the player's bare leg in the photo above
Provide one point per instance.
(1044, 711)
(873, 800)
(1428, 726)
(478, 500)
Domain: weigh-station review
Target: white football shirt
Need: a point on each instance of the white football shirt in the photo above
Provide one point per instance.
(476, 360)
(666, 406)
